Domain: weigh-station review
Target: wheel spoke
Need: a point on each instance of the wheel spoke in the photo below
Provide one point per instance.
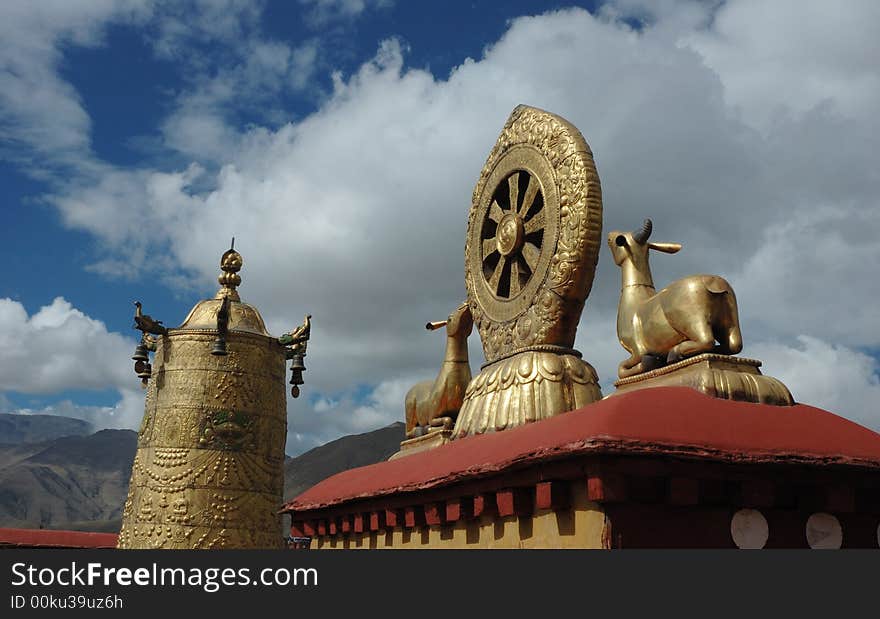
(495, 212)
(535, 223)
(496, 276)
(529, 197)
(514, 277)
(531, 254)
(489, 246)
(513, 183)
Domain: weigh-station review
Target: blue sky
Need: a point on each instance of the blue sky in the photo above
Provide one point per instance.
(339, 141)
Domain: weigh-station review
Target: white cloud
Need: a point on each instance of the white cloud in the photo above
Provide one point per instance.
(357, 212)
(38, 109)
(784, 58)
(181, 25)
(321, 12)
(127, 413)
(59, 348)
(314, 423)
(833, 377)
(816, 274)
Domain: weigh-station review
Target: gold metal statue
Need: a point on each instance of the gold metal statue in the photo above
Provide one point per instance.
(533, 238)
(684, 335)
(435, 403)
(208, 472)
(684, 319)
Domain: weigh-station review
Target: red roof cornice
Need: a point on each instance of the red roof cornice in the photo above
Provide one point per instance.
(664, 421)
(56, 539)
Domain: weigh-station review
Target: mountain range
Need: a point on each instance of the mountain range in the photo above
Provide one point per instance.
(56, 474)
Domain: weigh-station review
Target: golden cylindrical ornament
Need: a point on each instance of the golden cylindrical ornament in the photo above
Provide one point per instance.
(208, 472)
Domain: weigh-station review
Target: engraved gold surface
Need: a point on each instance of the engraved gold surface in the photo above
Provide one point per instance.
(434, 403)
(533, 234)
(718, 376)
(532, 245)
(524, 388)
(684, 319)
(242, 317)
(208, 471)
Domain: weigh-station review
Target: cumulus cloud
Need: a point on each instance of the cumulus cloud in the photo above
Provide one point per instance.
(783, 59)
(39, 109)
(320, 12)
(830, 376)
(127, 413)
(58, 348)
(356, 213)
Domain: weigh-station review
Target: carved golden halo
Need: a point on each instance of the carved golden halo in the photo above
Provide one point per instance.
(534, 234)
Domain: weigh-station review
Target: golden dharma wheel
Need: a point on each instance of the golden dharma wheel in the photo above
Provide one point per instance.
(534, 234)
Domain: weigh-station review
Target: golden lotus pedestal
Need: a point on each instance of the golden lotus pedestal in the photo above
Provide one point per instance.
(719, 376)
(523, 388)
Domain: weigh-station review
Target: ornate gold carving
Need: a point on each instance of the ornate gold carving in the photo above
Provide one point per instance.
(718, 376)
(533, 234)
(684, 319)
(242, 317)
(694, 318)
(525, 387)
(434, 403)
(208, 472)
(530, 256)
(229, 430)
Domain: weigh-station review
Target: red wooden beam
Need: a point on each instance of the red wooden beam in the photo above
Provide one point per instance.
(414, 516)
(606, 488)
(554, 495)
(459, 509)
(514, 501)
(377, 520)
(484, 504)
(393, 518)
(435, 513)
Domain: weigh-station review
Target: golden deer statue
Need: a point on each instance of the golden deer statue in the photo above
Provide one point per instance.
(435, 404)
(684, 319)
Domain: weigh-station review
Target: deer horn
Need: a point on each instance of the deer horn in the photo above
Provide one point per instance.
(642, 235)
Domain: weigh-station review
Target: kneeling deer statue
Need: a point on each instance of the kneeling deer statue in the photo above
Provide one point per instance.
(436, 403)
(684, 319)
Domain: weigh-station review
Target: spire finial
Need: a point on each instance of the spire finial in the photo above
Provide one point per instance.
(230, 264)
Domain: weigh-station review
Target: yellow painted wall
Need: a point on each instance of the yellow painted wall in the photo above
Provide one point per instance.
(581, 526)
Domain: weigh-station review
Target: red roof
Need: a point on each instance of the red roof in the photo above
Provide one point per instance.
(32, 538)
(675, 421)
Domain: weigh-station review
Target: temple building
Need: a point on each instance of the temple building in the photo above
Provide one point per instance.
(695, 448)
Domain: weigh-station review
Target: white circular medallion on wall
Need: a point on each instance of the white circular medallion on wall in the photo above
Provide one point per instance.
(749, 529)
(824, 531)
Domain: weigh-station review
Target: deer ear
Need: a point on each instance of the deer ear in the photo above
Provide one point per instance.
(667, 248)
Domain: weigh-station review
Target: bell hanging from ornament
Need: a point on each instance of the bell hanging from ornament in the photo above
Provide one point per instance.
(140, 353)
(297, 367)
